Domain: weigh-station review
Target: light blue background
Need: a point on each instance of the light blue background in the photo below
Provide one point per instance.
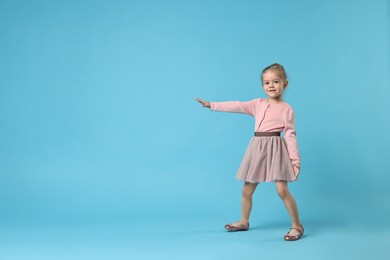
(99, 127)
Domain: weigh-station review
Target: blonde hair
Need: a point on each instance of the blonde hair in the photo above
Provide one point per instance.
(276, 68)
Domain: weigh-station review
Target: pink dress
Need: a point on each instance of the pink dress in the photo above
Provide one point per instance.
(267, 158)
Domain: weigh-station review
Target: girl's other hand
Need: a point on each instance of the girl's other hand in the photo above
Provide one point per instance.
(203, 102)
(296, 171)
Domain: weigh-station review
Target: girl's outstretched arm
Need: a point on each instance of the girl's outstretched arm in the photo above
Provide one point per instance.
(203, 102)
(249, 107)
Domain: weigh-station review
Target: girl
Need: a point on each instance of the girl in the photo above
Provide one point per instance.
(269, 157)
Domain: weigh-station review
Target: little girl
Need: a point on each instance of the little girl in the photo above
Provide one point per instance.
(269, 157)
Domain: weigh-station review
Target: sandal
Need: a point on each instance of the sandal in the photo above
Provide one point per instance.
(289, 237)
(237, 227)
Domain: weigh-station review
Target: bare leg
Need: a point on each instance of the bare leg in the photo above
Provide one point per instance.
(246, 202)
(291, 205)
(246, 207)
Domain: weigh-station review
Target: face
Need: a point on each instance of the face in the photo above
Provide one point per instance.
(273, 84)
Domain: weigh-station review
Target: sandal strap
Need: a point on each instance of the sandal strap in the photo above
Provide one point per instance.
(297, 229)
(295, 237)
(237, 225)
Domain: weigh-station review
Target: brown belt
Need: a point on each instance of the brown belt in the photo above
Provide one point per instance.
(267, 133)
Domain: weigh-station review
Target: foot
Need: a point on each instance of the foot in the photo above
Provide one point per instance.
(294, 234)
(238, 226)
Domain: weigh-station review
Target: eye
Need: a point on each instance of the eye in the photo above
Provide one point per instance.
(276, 81)
(266, 83)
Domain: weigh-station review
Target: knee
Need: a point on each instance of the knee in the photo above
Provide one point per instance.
(283, 192)
(247, 192)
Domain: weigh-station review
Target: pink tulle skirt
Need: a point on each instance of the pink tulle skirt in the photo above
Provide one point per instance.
(266, 160)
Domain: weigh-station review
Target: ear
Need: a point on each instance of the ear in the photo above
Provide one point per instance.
(286, 84)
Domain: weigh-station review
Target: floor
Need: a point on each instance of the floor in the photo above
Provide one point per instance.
(189, 239)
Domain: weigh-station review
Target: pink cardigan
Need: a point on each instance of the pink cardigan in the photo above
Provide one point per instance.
(269, 118)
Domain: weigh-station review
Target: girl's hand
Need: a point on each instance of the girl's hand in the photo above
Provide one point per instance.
(296, 171)
(203, 102)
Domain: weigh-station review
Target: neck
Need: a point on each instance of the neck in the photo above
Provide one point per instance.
(274, 100)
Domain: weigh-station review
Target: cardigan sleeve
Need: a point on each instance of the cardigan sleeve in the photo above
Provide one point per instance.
(248, 107)
(291, 137)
